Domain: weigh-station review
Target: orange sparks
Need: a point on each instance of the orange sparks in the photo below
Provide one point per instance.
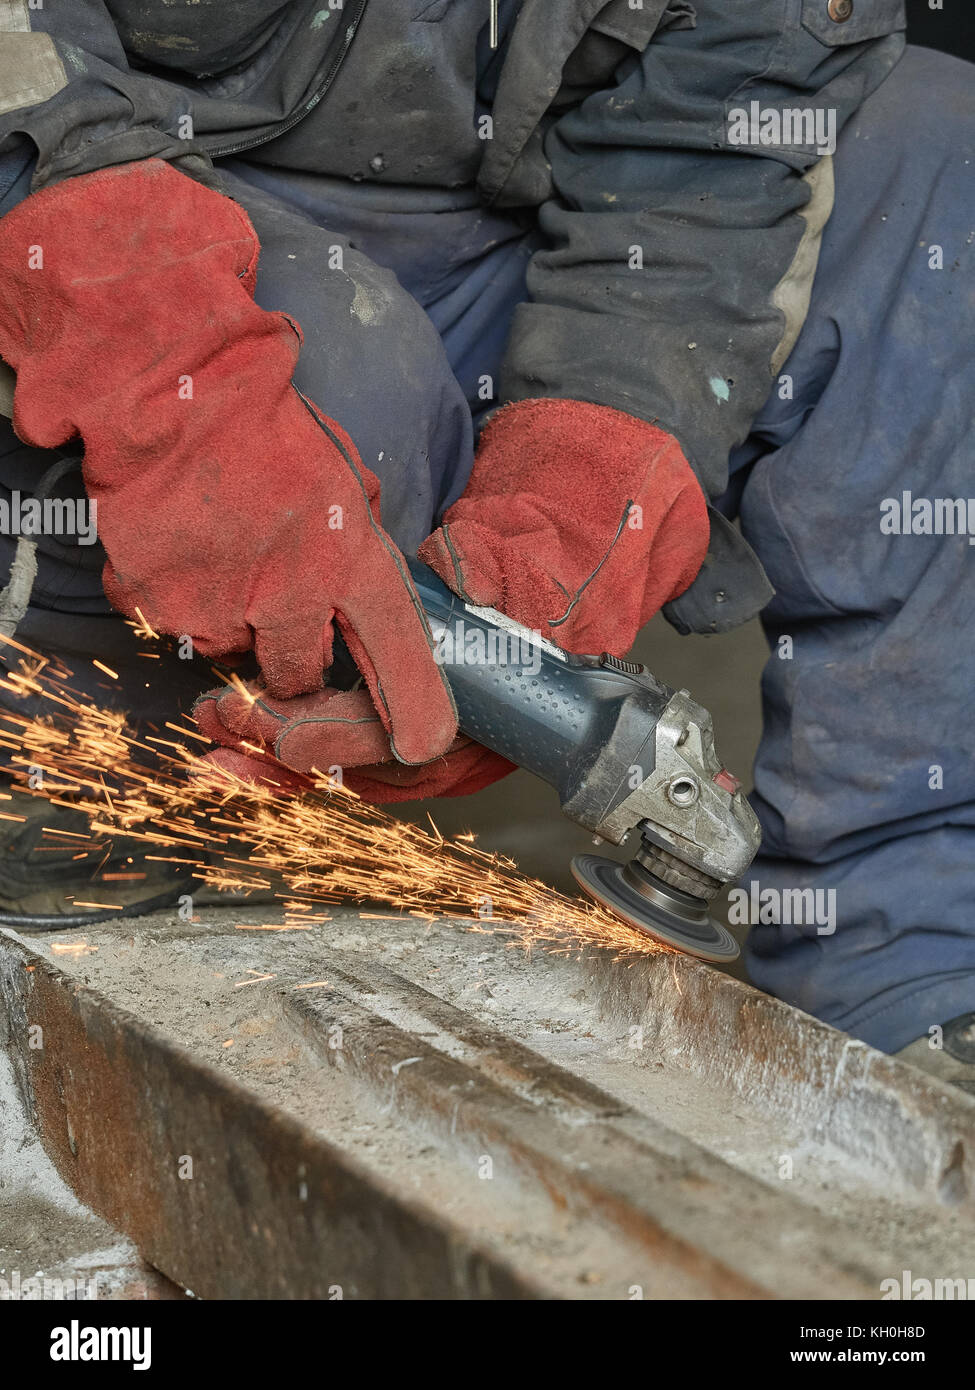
(314, 850)
(107, 669)
(235, 682)
(142, 628)
(242, 984)
(273, 926)
(190, 733)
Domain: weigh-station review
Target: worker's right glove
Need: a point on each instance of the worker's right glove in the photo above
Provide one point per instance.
(579, 521)
(231, 509)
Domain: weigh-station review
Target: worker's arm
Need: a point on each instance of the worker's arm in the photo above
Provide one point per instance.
(676, 280)
(66, 83)
(681, 262)
(127, 313)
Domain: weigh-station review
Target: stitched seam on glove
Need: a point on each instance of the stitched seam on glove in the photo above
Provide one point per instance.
(455, 558)
(557, 622)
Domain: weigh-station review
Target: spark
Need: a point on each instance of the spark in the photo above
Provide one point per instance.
(313, 850)
(142, 628)
(235, 683)
(188, 733)
(275, 926)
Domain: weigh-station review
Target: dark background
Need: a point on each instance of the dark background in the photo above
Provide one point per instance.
(951, 28)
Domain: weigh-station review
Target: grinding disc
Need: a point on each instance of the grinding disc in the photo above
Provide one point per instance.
(647, 903)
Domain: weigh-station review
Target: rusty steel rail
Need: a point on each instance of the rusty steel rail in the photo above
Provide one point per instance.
(377, 1111)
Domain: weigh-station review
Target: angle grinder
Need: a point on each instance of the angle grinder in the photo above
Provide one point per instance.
(623, 751)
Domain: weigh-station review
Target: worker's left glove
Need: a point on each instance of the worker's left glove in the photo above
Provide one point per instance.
(335, 735)
(232, 510)
(579, 521)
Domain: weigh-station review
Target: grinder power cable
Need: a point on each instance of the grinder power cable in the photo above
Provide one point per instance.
(624, 752)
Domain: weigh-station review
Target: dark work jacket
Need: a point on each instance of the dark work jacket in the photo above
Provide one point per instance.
(677, 264)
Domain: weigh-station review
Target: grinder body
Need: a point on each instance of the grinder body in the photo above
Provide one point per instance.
(622, 750)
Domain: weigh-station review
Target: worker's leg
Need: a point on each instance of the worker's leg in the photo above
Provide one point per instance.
(866, 773)
(465, 265)
(371, 358)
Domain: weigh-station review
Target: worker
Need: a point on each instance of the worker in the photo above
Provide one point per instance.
(552, 294)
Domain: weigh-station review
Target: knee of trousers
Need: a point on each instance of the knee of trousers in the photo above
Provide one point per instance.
(371, 359)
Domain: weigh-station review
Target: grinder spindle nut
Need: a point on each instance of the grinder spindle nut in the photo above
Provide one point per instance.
(664, 865)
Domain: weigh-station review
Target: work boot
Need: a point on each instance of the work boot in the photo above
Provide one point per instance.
(55, 871)
(954, 1060)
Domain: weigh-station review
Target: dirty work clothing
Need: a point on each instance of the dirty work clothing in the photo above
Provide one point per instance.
(609, 123)
(880, 684)
(880, 691)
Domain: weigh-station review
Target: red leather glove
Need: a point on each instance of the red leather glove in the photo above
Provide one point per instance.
(230, 508)
(579, 521)
(332, 729)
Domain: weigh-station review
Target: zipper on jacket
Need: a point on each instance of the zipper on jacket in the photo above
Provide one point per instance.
(284, 126)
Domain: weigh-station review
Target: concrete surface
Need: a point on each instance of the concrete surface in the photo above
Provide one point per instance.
(381, 1108)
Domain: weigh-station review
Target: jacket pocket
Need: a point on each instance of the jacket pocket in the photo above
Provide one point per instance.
(837, 22)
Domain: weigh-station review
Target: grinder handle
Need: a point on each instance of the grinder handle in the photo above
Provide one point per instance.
(544, 709)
